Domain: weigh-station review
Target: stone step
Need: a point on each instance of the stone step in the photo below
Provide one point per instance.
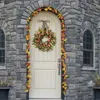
(45, 99)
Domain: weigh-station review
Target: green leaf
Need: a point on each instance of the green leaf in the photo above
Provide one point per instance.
(97, 76)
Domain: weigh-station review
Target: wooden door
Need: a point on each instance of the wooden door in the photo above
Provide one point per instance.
(46, 83)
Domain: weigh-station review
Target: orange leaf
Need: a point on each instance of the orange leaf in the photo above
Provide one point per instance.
(28, 36)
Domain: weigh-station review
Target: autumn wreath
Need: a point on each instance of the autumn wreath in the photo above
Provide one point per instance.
(44, 39)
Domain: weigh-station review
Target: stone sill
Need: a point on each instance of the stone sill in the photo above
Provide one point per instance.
(4, 87)
(2, 67)
(96, 87)
(88, 68)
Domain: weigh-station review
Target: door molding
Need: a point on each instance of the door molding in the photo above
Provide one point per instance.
(63, 52)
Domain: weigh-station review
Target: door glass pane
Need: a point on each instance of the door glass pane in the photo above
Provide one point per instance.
(2, 53)
(2, 56)
(2, 59)
(2, 44)
(2, 38)
(2, 47)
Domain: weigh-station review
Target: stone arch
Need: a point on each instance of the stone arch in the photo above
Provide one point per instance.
(4, 26)
(33, 6)
(2, 32)
(87, 25)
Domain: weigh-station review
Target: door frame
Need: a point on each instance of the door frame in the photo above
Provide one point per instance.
(63, 51)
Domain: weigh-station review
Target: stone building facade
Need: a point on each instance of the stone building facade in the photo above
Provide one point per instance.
(79, 15)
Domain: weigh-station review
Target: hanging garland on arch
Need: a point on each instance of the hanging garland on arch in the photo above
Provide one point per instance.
(63, 52)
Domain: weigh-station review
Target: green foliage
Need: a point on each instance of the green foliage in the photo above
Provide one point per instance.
(97, 80)
(8, 82)
(4, 83)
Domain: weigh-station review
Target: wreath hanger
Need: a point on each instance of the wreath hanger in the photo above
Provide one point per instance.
(44, 24)
(44, 39)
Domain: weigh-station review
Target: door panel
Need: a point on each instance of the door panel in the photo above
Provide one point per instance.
(45, 56)
(46, 83)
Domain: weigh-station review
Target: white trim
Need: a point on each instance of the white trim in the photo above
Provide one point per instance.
(93, 50)
(89, 68)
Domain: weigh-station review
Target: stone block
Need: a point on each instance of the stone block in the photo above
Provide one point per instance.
(26, 3)
(70, 98)
(18, 95)
(46, 2)
(18, 98)
(71, 54)
(55, 4)
(36, 5)
(9, 1)
(1, 5)
(41, 3)
(23, 96)
(18, 86)
(68, 21)
(3, 73)
(13, 46)
(30, 8)
(12, 94)
(24, 46)
(62, 1)
(72, 86)
(70, 47)
(26, 14)
(23, 21)
(19, 45)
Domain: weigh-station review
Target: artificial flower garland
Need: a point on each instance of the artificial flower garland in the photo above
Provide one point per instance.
(45, 45)
(63, 52)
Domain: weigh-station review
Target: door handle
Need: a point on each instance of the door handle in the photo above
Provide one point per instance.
(59, 66)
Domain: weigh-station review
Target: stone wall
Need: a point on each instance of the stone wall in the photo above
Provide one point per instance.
(79, 16)
(87, 18)
(8, 16)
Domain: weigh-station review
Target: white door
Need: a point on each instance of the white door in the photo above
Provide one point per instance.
(46, 83)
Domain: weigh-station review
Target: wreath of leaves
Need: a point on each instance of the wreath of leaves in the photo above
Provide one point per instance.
(47, 45)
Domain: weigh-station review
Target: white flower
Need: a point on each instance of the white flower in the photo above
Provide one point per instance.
(45, 39)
